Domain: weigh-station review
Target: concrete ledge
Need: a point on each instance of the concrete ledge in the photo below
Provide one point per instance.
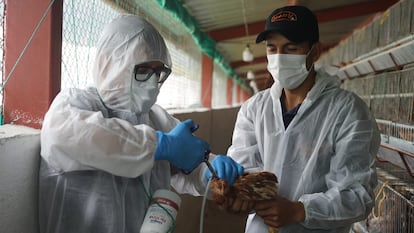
(19, 168)
(8, 131)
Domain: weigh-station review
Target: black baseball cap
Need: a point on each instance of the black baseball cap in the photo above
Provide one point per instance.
(297, 23)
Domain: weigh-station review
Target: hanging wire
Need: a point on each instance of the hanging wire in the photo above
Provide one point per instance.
(246, 28)
(247, 53)
(26, 46)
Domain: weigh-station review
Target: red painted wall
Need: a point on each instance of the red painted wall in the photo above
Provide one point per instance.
(206, 80)
(229, 94)
(246, 95)
(238, 94)
(36, 79)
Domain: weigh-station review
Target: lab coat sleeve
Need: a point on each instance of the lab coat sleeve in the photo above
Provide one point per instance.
(244, 148)
(73, 138)
(194, 183)
(352, 176)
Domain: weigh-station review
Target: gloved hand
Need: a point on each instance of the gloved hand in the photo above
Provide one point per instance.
(180, 147)
(226, 168)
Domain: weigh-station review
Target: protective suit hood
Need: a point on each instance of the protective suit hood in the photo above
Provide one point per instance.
(126, 41)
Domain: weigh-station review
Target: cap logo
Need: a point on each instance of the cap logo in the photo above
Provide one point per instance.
(284, 16)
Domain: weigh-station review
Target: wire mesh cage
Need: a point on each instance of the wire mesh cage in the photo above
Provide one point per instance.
(397, 130)
(395, 213)
(394, 205)
(390, 97)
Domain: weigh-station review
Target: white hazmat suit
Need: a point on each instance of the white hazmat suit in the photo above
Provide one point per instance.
(97, 145)
(325, 158)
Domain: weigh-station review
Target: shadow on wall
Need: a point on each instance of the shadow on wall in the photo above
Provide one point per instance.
(216, 127)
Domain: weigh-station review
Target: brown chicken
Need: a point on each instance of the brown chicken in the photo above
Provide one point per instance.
(257, 186)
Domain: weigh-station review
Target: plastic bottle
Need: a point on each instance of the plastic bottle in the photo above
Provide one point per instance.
(157, 219)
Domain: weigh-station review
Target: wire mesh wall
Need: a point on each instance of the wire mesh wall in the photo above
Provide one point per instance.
(2, 15)
(84, 20)
(82, 23)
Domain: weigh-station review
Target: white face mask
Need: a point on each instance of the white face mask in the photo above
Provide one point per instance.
(289, 70)
(144, 94)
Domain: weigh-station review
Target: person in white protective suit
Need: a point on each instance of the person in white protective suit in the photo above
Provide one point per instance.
(106, 149)
(319, 140)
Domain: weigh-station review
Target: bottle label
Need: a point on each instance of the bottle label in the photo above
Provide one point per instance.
(165, 201)
(160, 216)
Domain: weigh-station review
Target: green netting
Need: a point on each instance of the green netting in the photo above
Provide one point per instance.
(205, 43)
(176, 11)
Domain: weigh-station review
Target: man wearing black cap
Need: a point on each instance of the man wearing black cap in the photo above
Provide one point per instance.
(319, 140)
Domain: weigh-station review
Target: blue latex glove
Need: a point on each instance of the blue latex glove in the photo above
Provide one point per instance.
(180, 147)
(226, 168)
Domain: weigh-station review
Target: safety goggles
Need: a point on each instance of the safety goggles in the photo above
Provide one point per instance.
(142, 73)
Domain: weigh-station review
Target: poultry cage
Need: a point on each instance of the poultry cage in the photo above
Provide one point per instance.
(394, 202)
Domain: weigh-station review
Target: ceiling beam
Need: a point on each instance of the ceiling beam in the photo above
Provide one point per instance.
(262, 82)
(256, 73)
(326, 15)
(240, 63)
(236, 31)
(354, 10)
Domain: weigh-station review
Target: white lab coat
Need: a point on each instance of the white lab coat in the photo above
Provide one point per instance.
(98, 169)
(325, 158)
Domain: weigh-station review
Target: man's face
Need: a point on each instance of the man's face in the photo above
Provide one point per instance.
(278, 44)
